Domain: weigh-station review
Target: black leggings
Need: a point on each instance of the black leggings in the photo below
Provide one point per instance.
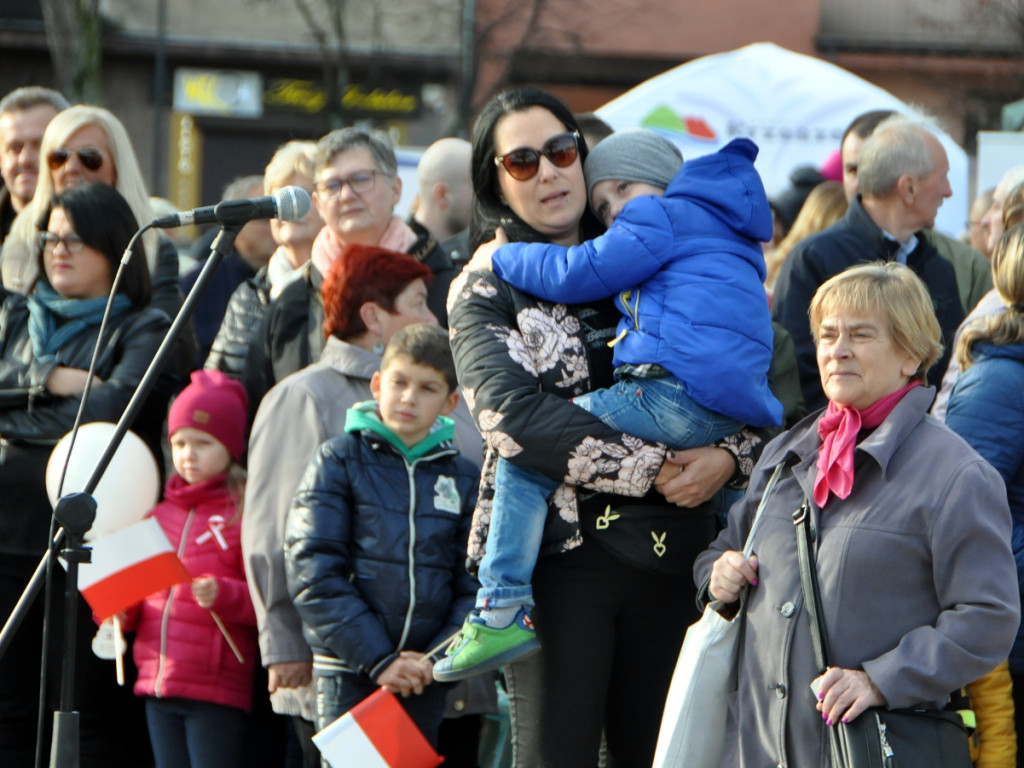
(610, 636)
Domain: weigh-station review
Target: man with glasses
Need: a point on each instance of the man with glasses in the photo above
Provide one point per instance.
(356, 188)
(24, 114)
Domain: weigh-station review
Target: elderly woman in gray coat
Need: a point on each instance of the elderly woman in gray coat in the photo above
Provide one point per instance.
(912, 532)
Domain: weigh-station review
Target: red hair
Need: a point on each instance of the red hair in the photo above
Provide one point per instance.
(363, 273)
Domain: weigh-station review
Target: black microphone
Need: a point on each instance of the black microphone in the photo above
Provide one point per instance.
(287, 204)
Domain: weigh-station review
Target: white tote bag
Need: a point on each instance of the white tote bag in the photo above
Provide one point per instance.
(692, 731)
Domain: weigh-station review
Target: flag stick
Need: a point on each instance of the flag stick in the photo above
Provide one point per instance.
(444, 644)
(227, 636)
(119, 650)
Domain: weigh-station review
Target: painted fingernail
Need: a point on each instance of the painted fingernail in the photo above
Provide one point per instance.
(846, 720)
(824, 715)
(753, 582)
(829, 721)
(821, 696)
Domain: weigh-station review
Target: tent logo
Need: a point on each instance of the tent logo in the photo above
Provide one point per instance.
(666, 120)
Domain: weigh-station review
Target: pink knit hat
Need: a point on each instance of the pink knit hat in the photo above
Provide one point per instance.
(213, 403)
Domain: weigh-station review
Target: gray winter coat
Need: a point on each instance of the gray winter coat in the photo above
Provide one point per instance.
(918, 582)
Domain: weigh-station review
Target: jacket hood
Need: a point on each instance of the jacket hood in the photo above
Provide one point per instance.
(365, 416)
(984, 350)
(726, 183)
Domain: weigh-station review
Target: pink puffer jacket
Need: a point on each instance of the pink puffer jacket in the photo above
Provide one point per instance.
(179, 651)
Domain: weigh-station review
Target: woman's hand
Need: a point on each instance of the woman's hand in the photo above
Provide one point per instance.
(689, 478)
(844, 693)
(481, 261)
(204, 589)
(730, 573)
(289, 674)
(69, 382)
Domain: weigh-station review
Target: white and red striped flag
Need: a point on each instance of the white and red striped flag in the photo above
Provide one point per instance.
(376, 733)
(128, 566)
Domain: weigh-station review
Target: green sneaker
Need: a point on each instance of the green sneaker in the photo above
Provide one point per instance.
(480, 648)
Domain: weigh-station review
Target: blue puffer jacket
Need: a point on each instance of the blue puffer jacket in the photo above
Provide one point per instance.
(687, 271)
(986, 408)
(375, 544)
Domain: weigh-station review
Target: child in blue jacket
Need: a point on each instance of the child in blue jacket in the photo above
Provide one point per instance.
(375, 542)
(682, 257)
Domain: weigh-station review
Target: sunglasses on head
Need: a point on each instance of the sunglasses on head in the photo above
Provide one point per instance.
(89, 157)
(524, 162)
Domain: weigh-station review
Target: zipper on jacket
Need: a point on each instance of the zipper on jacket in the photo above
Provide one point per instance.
(631, 301)
(411, 472)
(165, 618)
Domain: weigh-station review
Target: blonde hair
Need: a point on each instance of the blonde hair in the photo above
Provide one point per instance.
(236, 489)
(292, 157)
(823, 207)
(21, 241)
(1013, 207)
(1008, 279)
(892, 292)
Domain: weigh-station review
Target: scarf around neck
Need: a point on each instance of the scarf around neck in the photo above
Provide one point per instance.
(179, 491)
(326, 248)
(46, 309)
(838, 429)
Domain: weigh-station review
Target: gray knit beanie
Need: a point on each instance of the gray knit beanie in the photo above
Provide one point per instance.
(633, 154)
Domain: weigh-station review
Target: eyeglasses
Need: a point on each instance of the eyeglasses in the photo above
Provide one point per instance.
(524, 162)
(90, 157)
(48, 241)
(359, 182)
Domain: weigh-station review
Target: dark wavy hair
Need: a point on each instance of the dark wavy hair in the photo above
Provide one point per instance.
(488, 210)
(363, 273)
(105, 222)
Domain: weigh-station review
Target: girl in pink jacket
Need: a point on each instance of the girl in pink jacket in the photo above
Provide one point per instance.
(197, 689)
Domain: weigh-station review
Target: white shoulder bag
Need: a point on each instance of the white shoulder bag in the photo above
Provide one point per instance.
(692, 731)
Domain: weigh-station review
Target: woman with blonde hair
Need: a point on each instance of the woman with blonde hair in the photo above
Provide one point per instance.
(88, 144)
(986, 408)
(291, 165)
(899, 506)
(823, 207)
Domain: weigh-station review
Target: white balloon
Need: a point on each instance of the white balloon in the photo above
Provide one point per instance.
(128, 488)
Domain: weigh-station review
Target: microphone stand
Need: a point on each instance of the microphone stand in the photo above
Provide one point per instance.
(66, 747)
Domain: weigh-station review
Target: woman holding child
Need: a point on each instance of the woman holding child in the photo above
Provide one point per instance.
(609, 628)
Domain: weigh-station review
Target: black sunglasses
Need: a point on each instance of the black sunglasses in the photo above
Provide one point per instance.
(524, 162)
(88, 156)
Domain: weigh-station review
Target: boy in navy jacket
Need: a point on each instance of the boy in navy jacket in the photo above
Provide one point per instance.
(375, 543)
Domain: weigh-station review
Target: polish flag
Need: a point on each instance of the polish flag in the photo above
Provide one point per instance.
(376, 733)
(128, 566)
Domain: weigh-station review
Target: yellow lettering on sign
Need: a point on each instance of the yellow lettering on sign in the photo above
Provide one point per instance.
(303, 94)
(377, 100)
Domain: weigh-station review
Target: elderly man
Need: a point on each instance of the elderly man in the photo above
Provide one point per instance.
(973, 274)
(355, 189)
(903, 179)
(445, 196)
(24, 114)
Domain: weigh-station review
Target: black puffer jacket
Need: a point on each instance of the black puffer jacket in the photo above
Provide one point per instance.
(375, 547)
(246, 308)
(32, 420)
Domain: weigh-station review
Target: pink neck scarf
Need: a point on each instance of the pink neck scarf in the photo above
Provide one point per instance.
(838, 430)
(326, 247)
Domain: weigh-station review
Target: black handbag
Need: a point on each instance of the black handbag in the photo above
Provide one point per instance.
(879, 737)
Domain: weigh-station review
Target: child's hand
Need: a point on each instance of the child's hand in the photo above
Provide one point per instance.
(204, 590)
(406, 675)
(481, 261)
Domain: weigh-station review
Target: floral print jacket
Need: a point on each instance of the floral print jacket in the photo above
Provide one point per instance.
(520, 360)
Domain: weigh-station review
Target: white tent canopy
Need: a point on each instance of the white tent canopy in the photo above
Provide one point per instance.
(794, 107)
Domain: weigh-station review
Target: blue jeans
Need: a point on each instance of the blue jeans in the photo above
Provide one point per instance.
(195, 734)
(656, 409)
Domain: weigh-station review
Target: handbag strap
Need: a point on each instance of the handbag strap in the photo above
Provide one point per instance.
(809, 584)
(748, 546)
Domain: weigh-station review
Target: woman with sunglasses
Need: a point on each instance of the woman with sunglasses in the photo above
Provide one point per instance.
(609, 626)
(46, 345)
(89, 144)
